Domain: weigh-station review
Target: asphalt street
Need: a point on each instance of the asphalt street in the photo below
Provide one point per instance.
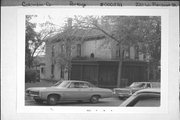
(114, 101)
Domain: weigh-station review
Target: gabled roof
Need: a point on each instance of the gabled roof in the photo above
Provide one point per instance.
(78, 34)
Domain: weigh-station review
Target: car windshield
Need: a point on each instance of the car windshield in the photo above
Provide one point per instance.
(63, 84)
(137, 85)
(58, 83)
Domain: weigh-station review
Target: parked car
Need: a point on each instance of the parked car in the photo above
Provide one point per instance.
(123, 93)
(143, 98)
(69, 90)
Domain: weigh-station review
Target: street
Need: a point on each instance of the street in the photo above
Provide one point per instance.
(114, 101)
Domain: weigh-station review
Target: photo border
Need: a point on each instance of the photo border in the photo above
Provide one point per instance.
(127, 11)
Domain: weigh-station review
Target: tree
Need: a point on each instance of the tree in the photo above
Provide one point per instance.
(127, 30)
(35, 40)
(30, 36)
(70, 35)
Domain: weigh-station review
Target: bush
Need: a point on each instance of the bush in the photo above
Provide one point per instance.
(32, 76)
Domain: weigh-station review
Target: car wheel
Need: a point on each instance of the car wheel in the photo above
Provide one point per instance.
(39, 101)
(94, 99)
(52, 100)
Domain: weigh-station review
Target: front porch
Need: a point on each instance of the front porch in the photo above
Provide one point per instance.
(103, 73)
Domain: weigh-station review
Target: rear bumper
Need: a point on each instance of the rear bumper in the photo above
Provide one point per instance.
(124, 95)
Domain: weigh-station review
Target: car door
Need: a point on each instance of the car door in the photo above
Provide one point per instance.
(86, 91)
(72, 92)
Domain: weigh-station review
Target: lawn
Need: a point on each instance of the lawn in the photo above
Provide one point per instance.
(38, 84)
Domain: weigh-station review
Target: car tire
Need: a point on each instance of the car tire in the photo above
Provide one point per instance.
(39, 101)
(94, 99)
(52, 99)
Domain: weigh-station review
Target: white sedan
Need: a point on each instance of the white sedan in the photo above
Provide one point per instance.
(68, 90)
(143, 98)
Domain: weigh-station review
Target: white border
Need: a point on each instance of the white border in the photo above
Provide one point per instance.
(21, 108)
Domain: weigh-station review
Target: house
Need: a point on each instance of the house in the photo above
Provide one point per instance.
(39, 65)
(93, 58)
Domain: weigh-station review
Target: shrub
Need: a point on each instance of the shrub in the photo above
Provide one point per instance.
(31, 76)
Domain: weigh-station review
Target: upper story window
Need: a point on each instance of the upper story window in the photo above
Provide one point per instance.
(127, 53)
(62, 72)
(117, 50)
(42, 70)
(62, 48)
(92, 55)
(52, 70)
(78, 49)
(53, 48)
(136, 52)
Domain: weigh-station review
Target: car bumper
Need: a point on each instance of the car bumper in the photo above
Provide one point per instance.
(32, 95)
(124, 95)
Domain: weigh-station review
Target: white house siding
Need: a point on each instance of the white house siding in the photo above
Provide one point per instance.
(132, 53)
(51, 60)
(48, 61)
(141, 57)
(113, 49)
(100, 49)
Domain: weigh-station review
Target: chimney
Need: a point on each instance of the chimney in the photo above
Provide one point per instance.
(69, 22)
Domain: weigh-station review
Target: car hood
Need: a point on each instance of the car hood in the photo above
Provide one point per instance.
(43, 88)
(128, 88)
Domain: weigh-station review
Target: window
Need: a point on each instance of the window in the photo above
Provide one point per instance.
(78, 49)
(148, 86)
(83, 85)
(53, 51)
(92, 55)
(74, 85)
(127, 53)
(62, 48)
(117, 50)
(52, 70)
(62, 72)
(136, 52)
(42, 70)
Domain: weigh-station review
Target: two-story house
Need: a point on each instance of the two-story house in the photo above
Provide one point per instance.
(95, 58)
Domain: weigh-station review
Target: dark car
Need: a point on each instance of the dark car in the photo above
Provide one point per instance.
(143, 98)
(126, 92)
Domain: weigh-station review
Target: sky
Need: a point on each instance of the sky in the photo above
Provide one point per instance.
(57, 20)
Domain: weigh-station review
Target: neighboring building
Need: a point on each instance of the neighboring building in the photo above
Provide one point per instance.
(39, 65)
(95, 59)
